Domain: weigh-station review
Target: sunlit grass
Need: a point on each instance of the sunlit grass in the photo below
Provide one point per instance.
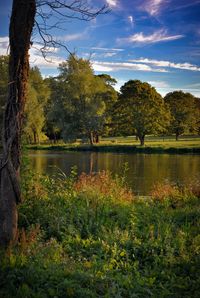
(90, 237)
(150, 141)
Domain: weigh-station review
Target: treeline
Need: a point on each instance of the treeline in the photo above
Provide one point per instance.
(79, 104)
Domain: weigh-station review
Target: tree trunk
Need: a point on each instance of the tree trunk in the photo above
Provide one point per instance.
(34, 137)
(177, 136)
(97, 138)
(21, 25)
(141, 138)
(91, 138)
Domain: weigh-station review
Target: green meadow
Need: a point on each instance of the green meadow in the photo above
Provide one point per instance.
(90, 237)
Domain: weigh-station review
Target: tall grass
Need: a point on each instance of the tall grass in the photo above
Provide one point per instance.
(90, 237)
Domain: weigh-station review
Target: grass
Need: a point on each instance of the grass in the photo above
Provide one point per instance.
(186, 144)
(90, 237)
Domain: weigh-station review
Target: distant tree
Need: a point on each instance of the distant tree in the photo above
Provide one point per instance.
(81, 103)
(197, 101)
(53, 109)
(109, 97)
(184, 112)
(142, 109)
(34, 113)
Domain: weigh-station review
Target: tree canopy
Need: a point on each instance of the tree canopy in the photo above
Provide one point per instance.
(83, 101)
(143, 108)
(185, 115)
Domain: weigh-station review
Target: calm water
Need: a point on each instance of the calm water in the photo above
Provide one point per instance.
(144, 169)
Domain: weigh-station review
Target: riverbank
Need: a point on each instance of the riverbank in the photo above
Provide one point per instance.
(123, 148)
(90, 237)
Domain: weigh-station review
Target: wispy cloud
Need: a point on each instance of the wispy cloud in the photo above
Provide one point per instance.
(159, 84)
(169, 64)
(107, 49)
(157, 36)
(36, 58)
(131, 20)
(116, 66)
(71, 37)
(112, 3)
(110, 54)
(184, 5)
(153, 7)
(51, 61)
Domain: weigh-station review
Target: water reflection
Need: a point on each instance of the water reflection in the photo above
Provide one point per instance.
(144, 169)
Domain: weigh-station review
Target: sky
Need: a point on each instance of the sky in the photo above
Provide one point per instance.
(155, 41)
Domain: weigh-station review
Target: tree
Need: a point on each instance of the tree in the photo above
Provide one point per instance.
(20, 31)
(109, 97)
(52, 109)
(81, 103)
(184, 112)
(197, 100)
(34, 113)
(142, 108)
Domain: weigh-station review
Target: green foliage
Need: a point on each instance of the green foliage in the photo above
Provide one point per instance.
(83, 101)
(38, 93)
(142, 109)
(184, 111)
(3, 85)
(89, 237)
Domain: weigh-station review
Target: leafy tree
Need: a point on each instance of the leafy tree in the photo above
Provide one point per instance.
(38, 93)
(197, 100)
(142, 109)
(53, 109)
(184, 112)
(109, 97)
(80, 103)
(20, 31)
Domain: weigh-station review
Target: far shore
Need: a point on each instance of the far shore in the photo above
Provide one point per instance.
(186, 145)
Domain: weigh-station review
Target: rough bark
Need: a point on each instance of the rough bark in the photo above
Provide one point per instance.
(21, 25)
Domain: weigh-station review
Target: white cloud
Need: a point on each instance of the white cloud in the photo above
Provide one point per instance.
(100, 67)
(112, 3)
(164, 63)
(158, 36)
(109, 54)
(71, 37)
(107, 49)
(36, 58)
(119, 84)
(153, 7)
(115, 66)
(131, 20)
(159, 84)
(4, 45)
(4, 39)
(51, 61)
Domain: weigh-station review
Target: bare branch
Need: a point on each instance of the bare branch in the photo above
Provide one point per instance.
(61, 10)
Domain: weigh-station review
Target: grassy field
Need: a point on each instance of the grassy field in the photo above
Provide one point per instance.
(92, 238)
(186, 144)
(153, 141)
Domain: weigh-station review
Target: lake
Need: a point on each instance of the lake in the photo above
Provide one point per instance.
(144, 170)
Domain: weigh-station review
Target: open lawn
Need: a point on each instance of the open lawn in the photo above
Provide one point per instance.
(186, 144)
(152, 141)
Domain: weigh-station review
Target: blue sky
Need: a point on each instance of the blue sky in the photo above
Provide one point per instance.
(157, 41)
